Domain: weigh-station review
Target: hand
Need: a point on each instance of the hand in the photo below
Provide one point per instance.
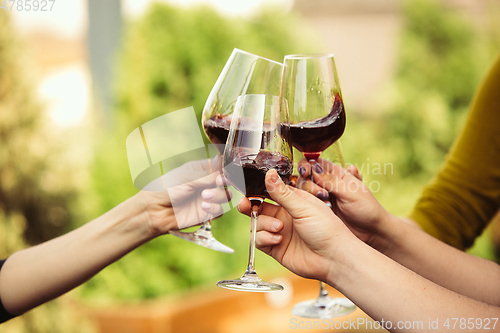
(351, 200)
(185, 196)
(303, 234)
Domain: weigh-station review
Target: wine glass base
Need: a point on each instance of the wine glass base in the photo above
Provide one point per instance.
(250, 283)
(206, 240)
(330, 308)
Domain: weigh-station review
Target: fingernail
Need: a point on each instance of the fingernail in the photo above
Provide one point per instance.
(274, 176)
(276, 225)
(302, 170)
(276, 238)
(323, 195)
(207, 194)
(318, 169)
(206, 205)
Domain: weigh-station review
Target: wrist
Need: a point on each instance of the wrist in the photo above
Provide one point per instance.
(130, 219)
(386, 233)
(157, 215)
(341, 263)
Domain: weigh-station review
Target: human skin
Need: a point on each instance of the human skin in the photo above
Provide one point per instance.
(305, 236)
(43, 272)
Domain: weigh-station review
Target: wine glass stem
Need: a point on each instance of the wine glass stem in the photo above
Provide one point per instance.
(207, 224)
(322, 290)
(251, 255)
(205, 230)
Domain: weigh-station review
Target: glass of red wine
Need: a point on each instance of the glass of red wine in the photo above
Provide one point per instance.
(317, 120)
(243, 73)
(259, 140)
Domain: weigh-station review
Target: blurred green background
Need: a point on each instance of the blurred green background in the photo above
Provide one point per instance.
(169, 59)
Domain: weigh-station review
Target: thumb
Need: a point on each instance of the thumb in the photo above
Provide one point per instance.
(290, 198)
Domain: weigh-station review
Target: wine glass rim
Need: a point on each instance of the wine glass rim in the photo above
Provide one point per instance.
(258, 56)
(311, 55)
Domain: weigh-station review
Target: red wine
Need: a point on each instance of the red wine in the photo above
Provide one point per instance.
(312, 137)
(247, 172)
(217, 130)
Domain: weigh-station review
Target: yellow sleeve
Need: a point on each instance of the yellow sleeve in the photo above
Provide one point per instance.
(463, 197)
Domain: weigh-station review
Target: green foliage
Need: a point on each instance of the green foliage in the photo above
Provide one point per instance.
(170, 60)
(34, 192)
(437, 75)
(30, 184)
(442, 56)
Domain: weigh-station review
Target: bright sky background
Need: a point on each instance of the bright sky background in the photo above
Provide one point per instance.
(68, 18)
(67, 90)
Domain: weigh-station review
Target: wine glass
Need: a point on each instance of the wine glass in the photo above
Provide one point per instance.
(259, 140)
(317, 120)
(243, 73)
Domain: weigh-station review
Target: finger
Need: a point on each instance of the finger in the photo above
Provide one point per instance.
(355, 172)
(219, 195)
(266, 208)
(264, 241)
(304, 168)
(316, 190)
(221, 181)
(294, 201)
(269, 224)
(337, 181)
(213, 209)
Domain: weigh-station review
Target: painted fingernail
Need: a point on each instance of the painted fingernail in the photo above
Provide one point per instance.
(318, 169)
(207, 194)
(206, 205)
(323, 195)
(274, 176)
(276, 225)
(276, 238)
(302, 170)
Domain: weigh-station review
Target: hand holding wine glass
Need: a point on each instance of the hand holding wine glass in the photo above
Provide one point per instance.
(259, 140)
(309, 235)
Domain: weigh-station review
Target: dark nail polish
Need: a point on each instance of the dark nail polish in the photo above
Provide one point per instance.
(318, 169)
(323, 195)
(302, 170)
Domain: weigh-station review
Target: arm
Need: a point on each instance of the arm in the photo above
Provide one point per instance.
(314, 243)
(400, 240)
(439, 262)
(38, 274)
(388, 291)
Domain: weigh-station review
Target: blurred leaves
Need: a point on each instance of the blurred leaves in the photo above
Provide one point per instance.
(32, 175)
(36, 188)
(170, 60)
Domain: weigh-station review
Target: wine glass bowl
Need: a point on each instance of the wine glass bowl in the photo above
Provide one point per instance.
(317, 115)
(259, 140)
(244, 73)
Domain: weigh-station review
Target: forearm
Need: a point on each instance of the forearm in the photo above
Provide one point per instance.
(444, 265)
(388, 291)
(35, 275)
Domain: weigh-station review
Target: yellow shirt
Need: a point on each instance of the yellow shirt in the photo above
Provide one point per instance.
(465, 194)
